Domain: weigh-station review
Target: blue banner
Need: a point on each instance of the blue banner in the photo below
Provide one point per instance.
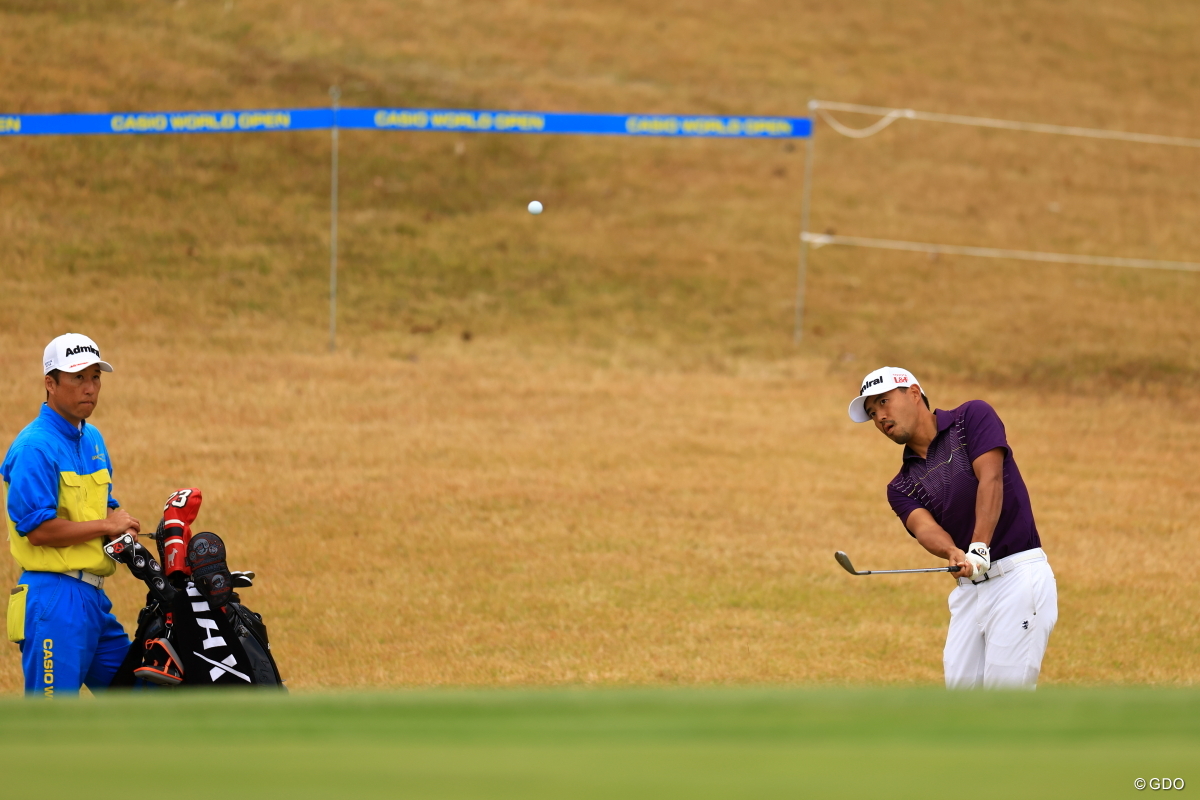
(406, 119)
(424, 119)
(168, 122)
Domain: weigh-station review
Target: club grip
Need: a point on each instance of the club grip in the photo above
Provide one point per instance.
(955, 568)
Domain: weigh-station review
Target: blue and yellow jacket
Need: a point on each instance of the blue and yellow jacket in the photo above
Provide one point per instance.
(53, 470)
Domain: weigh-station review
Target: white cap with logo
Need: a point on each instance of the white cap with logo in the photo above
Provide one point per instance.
(881, 380)
(72, 352)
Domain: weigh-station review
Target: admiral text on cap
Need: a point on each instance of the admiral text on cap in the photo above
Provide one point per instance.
(881, 380)
(72, 352)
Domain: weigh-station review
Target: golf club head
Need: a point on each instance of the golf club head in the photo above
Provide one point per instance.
(844, 560)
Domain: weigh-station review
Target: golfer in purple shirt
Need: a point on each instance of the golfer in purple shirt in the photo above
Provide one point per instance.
(960, 494)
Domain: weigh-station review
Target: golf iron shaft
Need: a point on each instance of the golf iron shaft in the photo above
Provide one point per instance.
(844, 560)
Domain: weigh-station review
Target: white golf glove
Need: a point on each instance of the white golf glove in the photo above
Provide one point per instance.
(980, 558)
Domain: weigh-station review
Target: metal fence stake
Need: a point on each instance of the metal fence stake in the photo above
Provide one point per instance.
(335, 94)
(806, 205)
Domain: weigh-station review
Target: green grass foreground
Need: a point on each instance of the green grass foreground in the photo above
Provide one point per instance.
(917, 743)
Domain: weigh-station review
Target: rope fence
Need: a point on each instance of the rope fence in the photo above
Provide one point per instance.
(526, 122)
(888, 116)
(818, 240)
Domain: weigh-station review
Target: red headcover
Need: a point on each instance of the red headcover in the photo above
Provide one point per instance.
(178, 515)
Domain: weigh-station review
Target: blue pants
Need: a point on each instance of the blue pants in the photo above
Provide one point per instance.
(71, 637)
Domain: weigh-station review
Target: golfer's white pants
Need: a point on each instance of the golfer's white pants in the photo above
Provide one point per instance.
(999, 628)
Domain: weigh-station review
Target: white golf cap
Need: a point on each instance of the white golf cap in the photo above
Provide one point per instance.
(72, 352)
(881, 380)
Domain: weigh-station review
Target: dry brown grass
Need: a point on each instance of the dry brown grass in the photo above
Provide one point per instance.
(483, 518)
(629, 474)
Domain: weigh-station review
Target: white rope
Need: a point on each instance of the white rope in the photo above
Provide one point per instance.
(892, 114)
(822, 239)
(861, 133)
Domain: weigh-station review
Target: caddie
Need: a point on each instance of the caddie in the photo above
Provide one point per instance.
(60, 509)
(960, 494)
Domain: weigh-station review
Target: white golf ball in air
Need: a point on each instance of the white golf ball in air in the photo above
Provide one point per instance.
(535, 207)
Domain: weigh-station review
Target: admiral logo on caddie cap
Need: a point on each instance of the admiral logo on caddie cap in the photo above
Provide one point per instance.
(72, 352)
(881, 380)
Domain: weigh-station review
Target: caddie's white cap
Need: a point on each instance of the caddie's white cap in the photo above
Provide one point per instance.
(881, 380)
(72, 352)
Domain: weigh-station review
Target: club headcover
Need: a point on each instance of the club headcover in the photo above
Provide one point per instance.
(175, 530)
(145, 568)
(210, 573)
(120, 549)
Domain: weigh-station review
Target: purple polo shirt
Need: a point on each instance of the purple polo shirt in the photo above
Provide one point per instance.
(944, 482)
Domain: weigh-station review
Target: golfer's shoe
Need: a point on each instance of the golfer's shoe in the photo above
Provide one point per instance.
(160, 664)
(210, 573)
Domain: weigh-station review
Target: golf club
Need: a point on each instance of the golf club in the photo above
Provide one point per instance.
(844, 560)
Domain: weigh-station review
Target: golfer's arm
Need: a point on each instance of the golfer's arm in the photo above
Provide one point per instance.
(933, 537)
(989, 470)
(64, 533)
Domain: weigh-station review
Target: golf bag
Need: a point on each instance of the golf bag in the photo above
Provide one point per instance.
(194, 630)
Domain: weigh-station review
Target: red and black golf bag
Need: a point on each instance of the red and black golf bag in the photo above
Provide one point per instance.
(194, 630)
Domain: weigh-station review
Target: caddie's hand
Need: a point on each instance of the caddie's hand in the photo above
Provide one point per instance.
(958, 558)
(120, 521)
